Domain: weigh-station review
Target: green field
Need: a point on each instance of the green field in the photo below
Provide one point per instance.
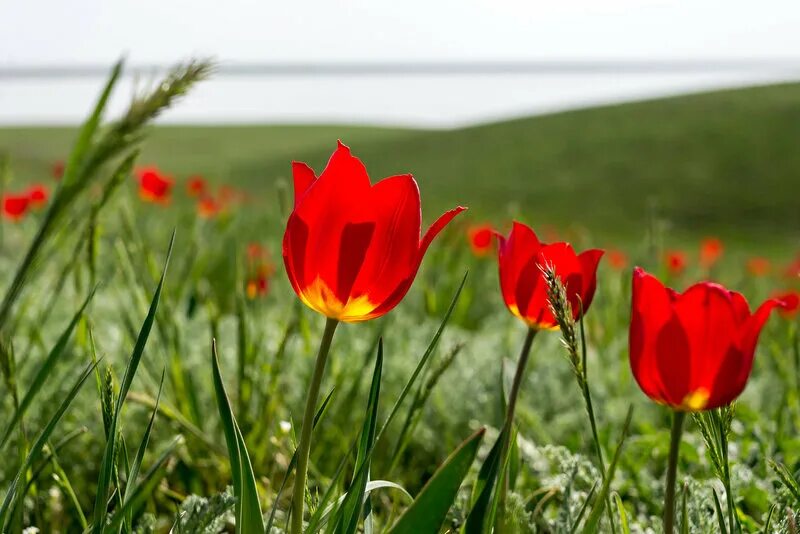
(723, 163)
(78, 385)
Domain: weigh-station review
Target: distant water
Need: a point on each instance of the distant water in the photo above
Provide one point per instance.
(436, 101)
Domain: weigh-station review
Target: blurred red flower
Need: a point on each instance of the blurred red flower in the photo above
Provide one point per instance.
(791, 302)
(196, 186)
(758, 266)
(711, 249)
(15, 206)
(154, 186)
(676, 261)
(58, 169)
(521, 257)
(481, 239)
(352, 249)
(208, 208)
(793, 269)
(38, 195)
(617, 259)
(258, 283)
(692, 351)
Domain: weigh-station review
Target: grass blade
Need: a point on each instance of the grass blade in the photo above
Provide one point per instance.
(354, 499)
(107, 464)
(248, 507)
(593, 521)
(483, 488)
(429, 509)
(43, 373)
(11, 494)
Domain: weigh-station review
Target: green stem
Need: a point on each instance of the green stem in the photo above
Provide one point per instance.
(672, 471)
(509, 424)
(304, 447)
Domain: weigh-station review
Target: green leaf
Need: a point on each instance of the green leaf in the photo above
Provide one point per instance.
(482, 490)
(320, 412)
(593, 521)
(107, 464)
(429, 509)
(36, 449)
(786, 479)
(768, 522)
(54, 357)
(248, 506)
(584, 507)
(350, 510)
(720, 517)
(623, 515)
(133, 473)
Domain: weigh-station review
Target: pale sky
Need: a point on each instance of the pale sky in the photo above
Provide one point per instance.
(97, 32)
(94, 31)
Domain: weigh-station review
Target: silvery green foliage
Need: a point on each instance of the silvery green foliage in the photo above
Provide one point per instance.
(146, 525)
(199, 515)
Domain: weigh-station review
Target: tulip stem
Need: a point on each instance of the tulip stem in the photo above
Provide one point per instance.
(304, 447)
(672, 471)
(508, 426)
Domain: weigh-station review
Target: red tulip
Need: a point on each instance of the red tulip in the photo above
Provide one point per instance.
(617, 259)
(758, 266)
(793, 269)
(711, 249)
(791, 303)
(58, 170)
(676, 261)
(196, 186)
(255, 251)
(481, 239)
(37, 195)
(521, 258)
(15, 206)
(258, 283)
(208, 208)
(154, 186)
(692, 351)
(352, 249)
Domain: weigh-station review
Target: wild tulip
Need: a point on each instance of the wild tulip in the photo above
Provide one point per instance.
(154, 186)
(57, 170)
(793, 269)
(38, 195)
(711, 250)
(618, 260)
(351, 251)
(758, 266)
(676, 262)
(691, 351)
(522, 261)
(196, 187)
(208, 207)
(481, 240)
(15, 206)
(521, 257)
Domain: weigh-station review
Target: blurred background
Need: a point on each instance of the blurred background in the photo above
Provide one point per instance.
(604, 117)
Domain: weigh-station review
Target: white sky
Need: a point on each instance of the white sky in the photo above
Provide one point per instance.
(97, 31)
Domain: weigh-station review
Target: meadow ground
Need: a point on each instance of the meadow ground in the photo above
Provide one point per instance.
(643, 178)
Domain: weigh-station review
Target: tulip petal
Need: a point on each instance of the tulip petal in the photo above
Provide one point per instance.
(589, 259)
(295, 241)
(303, 178)
(437, 226)
(651, 309)
(353, 247)
(673, 361)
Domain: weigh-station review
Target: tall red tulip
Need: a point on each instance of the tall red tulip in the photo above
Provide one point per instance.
(208, 207)
(617, 259)
(791, 303)
(352, 249)
(758, 266)
(15, 206)
(692, 351)
(521, 257)
(154, 185)
(481, 239)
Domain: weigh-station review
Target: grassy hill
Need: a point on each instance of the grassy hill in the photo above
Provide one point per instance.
(725, 162)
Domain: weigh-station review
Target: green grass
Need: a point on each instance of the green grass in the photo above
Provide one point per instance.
(723, 163)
